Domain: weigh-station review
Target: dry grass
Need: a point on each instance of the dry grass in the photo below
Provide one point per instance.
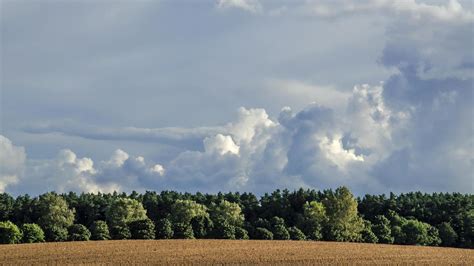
(228, 252)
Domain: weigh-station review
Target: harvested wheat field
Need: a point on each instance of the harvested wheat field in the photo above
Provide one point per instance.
(228, 252)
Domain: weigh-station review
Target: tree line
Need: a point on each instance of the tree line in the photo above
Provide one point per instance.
(445, 219)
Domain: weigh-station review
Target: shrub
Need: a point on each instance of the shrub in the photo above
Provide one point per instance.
(296, 234)
(32, 233)
(120, 231)
(56, 233)
(241, 233)
(224, 230)
(142, 229)
(9, 233)
(262, 233)
(280, 233)
(164, 229)
(183, 231)
(99, 231)
(78, 232)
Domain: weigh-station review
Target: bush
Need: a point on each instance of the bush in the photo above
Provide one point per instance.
(419, 233)
(9, 233)
(224, 230)
(78, 232)
(262, 233)
(100, 231)
(296, 234)
(120, 231)
(32, 233)
(142, 229)
(241, 233)
(447, 234)
(280, 233)
(183, 231)
(164, 229)
(56, 233)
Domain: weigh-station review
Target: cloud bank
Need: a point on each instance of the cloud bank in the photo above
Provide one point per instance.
(413, 131)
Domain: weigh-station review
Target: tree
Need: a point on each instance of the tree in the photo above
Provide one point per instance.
(124, 210)
(9, 233)
(314, 219)
(120, 213)
(164, 229)
(226, 216)
(183, 212)
(262, 233)
(296, 234)
(6, 206)
(32, 233)
(279, 229)
(78, 232)
(241, 233)
(368, 235)
(419, 233)
(382, 230)
(142, 229)
(229, 212)
(344, 223)
(55, 217)
(447, 234)
(99, 230)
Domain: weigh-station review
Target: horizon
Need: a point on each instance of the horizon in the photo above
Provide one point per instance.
(237, 95)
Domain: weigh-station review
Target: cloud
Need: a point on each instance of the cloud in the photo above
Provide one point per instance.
(252, 6)
(189, 138)
(220, 144)
(12, 160)
(451, 12)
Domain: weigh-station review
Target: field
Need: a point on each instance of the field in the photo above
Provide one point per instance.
(229, 252)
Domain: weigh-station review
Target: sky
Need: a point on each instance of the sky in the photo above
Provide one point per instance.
(236, 95)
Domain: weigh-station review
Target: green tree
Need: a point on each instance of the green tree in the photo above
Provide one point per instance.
(9, 233)
(32, 233)
(229, 212)
(142, 229)
(183, 212)
(382, 230)
(6, 206)
(78, 232)
(120, 231)
(55, 217)
(123, 211)
(344, 223)
(99, 230)
(314, 219)
(296, 234)
(368, 235)
(226, 216)
(419, 233)
(164, 229)
(279, 229)
(447, 234)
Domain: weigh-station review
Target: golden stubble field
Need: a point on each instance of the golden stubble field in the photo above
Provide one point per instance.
(228, 252)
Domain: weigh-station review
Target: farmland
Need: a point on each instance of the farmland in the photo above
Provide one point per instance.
(229, 252)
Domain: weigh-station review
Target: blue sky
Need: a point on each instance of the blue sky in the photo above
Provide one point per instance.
(248, 95)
